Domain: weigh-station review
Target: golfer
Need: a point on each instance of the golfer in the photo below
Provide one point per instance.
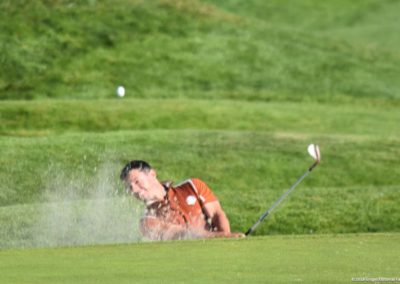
(186, 210)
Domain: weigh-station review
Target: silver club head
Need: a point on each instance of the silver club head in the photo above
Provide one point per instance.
(313, 150)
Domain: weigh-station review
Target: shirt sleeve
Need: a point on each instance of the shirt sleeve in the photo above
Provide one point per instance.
(205, 193)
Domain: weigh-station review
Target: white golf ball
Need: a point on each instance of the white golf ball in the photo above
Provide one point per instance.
(120, 91)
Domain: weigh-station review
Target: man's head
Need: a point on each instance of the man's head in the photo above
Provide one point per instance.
(141, 179)
(134, 165)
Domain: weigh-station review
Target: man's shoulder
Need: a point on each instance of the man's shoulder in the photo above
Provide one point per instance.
(194, 183)
(184, 185)
(194, 186)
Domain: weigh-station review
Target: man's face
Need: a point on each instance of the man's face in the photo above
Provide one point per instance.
(143, 184)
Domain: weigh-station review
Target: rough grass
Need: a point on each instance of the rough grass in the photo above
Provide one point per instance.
(158, 49)
(354, 190)
(358, 22)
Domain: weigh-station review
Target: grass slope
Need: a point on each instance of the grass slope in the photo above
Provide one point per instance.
(84, 49)
(359, 22)
(354, 190)
(248, 152)
(309, 259)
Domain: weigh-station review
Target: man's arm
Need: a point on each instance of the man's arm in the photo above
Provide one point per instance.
(219, 221)
(213, 211)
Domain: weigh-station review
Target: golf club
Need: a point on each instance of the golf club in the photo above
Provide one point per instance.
(313, 150)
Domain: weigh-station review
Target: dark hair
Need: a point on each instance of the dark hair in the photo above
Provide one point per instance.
(134, 165)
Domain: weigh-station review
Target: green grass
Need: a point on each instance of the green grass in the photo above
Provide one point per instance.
(228, 91)
(309, 259)
(358, 22)
(171, 48)
(354, 190)
(47, 117)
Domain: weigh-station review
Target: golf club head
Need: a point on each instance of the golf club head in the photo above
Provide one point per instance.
(314, 152)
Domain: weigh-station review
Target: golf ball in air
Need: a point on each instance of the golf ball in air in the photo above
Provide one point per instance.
(120, 91)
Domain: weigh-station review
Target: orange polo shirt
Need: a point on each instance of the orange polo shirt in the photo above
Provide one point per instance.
(184, 205)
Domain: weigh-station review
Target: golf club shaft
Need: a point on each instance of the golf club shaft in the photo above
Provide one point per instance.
(249, 231)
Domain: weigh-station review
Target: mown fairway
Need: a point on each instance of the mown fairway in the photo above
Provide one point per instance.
(231, 92)
(287, 259)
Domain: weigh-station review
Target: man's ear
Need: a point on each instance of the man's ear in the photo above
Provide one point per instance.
(153, 173)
